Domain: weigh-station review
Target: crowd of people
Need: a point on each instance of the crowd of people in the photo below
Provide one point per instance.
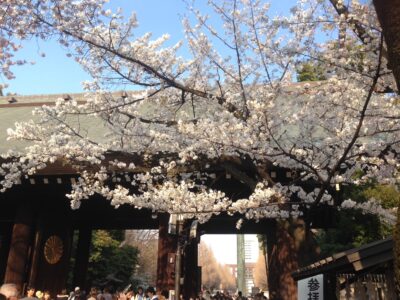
(220, 295)
(10, 291)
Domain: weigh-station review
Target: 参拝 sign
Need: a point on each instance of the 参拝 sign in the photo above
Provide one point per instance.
(311, 288)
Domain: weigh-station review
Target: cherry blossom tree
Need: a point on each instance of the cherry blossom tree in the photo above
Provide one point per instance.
(232, 103)
(234, 100)
(146, 241)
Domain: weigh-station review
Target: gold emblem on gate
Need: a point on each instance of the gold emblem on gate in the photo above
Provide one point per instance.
(53, 249)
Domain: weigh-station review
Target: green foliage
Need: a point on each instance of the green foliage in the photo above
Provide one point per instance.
(387, 194)
(310, 72)
(390, 198)
(109, 258)
(355, 228)
(118, 235)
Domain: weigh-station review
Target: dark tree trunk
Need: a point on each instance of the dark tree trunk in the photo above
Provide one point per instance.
(388, 12)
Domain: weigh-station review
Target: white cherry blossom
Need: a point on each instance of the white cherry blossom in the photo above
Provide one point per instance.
(232, 103)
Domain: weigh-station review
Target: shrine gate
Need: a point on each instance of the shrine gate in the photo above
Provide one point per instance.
(37, 224)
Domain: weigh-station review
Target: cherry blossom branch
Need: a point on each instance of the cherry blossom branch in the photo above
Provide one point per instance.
(358, 128)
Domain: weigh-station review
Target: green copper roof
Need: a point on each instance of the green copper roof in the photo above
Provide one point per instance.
(19, 108)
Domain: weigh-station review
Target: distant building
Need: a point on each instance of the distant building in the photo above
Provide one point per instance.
(250, 250)
(250, 257)
(249, 274)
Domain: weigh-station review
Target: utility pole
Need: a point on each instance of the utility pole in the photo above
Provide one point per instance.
(241, 265)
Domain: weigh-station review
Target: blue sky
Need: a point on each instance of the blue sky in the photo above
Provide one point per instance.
(56, 73)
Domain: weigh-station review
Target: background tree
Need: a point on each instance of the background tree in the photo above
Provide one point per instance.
(310, 72)
(388, 15)
(260, 273)
(109, 259)
(213, 274)
(355, 228)
(146, 242)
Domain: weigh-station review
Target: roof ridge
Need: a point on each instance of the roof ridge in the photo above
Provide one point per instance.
(14, 100)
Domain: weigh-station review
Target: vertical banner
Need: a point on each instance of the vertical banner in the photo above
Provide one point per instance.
(311, 288)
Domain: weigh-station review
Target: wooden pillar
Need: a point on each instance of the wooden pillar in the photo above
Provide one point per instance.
(82, 257)
(37, 253)
(167, 245)
(289, 247)
(282, 261)
(272, 272)
(330, 283)
(20, 246)
(190, 273)
(5, 241)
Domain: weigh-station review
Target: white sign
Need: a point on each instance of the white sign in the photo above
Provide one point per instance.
(311, 288)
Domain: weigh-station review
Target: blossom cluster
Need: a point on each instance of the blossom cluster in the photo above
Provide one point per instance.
(233, 101)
